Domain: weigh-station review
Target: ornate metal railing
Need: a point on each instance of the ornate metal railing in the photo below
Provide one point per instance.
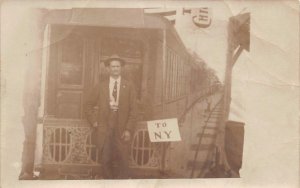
(144, 153)
(68, 142)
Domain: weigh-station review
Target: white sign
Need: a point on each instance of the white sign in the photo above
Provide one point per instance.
(164, 130)
(202, 17)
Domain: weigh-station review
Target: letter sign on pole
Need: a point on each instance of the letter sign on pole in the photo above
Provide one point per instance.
(164, 130)
(202, 17)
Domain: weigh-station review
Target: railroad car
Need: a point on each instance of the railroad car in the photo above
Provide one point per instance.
(169, 80)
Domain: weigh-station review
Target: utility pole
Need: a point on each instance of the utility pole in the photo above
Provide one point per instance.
(238, 40)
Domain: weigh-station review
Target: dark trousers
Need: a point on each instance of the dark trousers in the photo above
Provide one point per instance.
(115, 153)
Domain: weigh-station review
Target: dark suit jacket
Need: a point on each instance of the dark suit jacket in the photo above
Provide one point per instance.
(97, 107)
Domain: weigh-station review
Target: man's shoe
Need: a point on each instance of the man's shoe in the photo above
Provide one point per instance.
(27, 176)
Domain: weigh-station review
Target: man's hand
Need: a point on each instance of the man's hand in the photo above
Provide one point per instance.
(95, 124)
(114, 107)
(126, 136)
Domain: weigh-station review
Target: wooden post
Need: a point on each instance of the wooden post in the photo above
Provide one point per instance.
(237, 26)
(32, 87)
(221, 155)
(228, 72)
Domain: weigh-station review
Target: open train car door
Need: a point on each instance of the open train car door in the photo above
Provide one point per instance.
(76, 57)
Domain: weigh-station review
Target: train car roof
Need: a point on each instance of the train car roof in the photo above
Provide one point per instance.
(111, 17)
(107, 17)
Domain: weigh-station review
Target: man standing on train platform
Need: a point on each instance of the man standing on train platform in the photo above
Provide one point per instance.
(111, 110)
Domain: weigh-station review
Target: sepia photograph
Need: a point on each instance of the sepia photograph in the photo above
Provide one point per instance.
(162, 90)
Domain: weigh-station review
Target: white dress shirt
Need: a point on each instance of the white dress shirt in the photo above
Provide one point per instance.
(111, 88)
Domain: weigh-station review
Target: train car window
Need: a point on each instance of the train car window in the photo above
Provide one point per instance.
(124, 47)
(71, 64)
(168, 75)
(176, 76)
(172, 74)
(180, 78)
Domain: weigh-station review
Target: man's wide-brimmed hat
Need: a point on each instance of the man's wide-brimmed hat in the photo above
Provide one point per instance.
(112, 58)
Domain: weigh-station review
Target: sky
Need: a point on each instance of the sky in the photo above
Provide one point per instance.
(209, 43)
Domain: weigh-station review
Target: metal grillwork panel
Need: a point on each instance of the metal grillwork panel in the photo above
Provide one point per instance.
(143, 152)
(65, 142)
(92, 150)
(60, 143)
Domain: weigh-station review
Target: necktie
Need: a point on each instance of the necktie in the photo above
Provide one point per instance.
(114, 93)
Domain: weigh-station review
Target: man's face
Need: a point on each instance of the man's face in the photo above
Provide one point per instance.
(115, 68)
